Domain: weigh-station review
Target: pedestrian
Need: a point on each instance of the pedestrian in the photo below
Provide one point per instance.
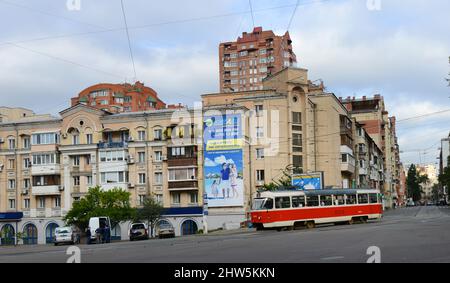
(88, 235)
(98, 235)
(107, 233)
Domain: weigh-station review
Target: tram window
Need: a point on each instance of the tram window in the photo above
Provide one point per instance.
(373, 198)
(326, 200)
(268, 204)
(312, 201)
(339, 200)
(283, 202)
(298, 201)
(351, 199)
(363, 199)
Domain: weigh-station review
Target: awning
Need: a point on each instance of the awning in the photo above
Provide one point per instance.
(11, 216)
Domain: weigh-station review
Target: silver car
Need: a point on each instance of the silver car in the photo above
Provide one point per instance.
(67, 235)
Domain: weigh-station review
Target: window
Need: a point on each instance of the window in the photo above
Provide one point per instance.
(158, 178)
(11, 164)
(298, 201)
(26, 143)
(157, 134)
(262, 51)
(326, 200)
(183, 174)
(104, 102)
(351, 199)
(159, 199)
(44, 159)
(344, 158)
(76, 161)
(373, 198)
(26, 203)
(57, 202)
(75, 139)
(26, 183)
(297, 161)
(11, 184)
(88, 160)
(89, 180)
(260, 175)
(89, 139)
(339, 200)
(142, 179)
(141, 136)
(259, 132)
(176, 198)
(363, 199)
(260, 153)
(312, 201)
(12, 204)
(11, 143)
(263, 70)
(282, 202)
(141, 157)
(194, 198)
(41, 202)
(112, 156)
(158, 156)
(297, 118)
(114, 177)
(259, 109)
(47, 138)
(76, 180)
(119, 100)
(141, 199)
(178, 151)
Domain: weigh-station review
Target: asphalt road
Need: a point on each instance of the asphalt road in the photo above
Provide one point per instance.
(420, 234)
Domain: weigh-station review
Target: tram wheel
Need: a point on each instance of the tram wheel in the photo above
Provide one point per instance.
(351, 222)
(310, 225)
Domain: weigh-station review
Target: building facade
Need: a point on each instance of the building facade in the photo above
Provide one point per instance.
(245, 62)
(117, 98)
(372, 114)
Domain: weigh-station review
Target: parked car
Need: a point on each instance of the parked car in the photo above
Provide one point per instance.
(410, 204)
(138, 231)
(96, 223)
(166, 231)
(67, 235)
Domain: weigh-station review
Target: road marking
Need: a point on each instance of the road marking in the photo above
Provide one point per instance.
(332, 258)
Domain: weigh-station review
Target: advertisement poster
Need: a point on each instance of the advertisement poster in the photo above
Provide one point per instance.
(308, 182)
(223, 166)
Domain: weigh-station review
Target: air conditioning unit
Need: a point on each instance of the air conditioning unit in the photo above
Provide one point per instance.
(2, 140)
(164, 158)
(130, 185)
(25, 191)
(260, 183)
(61, 188)
(130, 159)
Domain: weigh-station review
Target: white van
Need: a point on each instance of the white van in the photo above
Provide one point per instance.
(97, 222)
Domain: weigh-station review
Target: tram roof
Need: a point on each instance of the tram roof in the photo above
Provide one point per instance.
(335, 192)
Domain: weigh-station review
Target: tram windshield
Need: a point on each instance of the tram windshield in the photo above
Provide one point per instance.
(262, 204)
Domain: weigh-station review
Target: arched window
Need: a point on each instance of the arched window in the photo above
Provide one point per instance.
(30, 235)
(7, 235)
(189, 227)
(50, 233)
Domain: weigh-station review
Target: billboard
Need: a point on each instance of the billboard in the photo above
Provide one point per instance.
(223, 166)
(308, 182)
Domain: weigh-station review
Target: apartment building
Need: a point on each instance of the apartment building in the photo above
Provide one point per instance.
(245, 62)
(431, 172)
(46, 165)
(372, 114)
(116, 98)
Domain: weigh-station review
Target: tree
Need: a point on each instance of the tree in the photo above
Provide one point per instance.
(413, 183)
(444, 177)
(150, 212)
(114, 203)
(284, 181)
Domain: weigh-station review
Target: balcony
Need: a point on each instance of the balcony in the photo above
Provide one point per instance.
(109, 145)
(348, 167)
(181, 162)
(183, 185)
(362, 171)
(41, 170)
(111, 186)
(47, 190)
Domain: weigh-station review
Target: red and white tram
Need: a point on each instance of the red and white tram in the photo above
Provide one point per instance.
(290, 209)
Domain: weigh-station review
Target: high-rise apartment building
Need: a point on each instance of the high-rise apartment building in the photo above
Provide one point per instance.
(245, 62)
(117, 98)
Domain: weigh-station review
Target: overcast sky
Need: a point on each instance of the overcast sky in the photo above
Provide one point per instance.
(49, 53)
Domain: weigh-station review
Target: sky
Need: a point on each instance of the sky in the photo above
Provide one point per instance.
(50, 51)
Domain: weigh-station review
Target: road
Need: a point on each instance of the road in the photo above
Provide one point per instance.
(418, 234)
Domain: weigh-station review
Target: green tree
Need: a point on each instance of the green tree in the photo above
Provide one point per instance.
(150, 212)
(413, 183)
(113, 203)
(444, 177)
